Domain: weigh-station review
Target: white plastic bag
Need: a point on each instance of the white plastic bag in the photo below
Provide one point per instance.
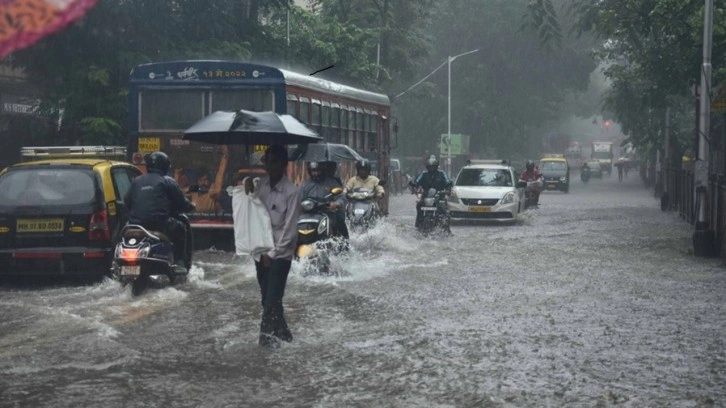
(252, 226)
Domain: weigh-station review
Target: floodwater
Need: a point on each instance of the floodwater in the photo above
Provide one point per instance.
(594, 300)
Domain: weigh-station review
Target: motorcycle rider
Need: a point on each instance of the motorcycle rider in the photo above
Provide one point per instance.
(155, 199)
(532, 173)
(431, 178)
(319, 185)
(363, 179)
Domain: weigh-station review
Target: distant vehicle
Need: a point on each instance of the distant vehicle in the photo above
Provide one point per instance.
(574, 156)
(556, 173)
(603, 153)
(62, 213)
(595, 169)
(486, 190)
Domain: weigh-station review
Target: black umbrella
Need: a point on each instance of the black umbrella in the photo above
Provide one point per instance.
(250, 128)
(325, 152)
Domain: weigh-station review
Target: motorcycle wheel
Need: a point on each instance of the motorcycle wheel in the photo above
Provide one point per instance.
(139, 285)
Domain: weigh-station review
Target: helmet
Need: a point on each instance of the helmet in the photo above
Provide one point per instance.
(431, 161)
(530, 165)
(315, 170)
(157, 161)
(365, 163)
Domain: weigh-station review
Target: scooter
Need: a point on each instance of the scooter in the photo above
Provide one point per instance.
(530, 192)
(435, 211)
(145, 258)
(362, 209)
(315, 235)
(585, 175)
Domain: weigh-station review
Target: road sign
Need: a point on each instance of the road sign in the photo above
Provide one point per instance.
(719, 102)
(459, 144)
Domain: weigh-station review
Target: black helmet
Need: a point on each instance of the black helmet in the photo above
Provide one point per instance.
(431, 161)
(157, 161)
(363, 164)
(530, 165)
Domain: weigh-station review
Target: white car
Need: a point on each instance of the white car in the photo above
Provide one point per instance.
(486, 192)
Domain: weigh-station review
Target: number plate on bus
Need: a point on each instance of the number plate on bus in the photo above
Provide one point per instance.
(480, 209)
(130, 270)
(24, 225)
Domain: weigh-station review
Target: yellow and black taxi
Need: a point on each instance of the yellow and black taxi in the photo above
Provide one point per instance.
(555, 172)
(61, 210)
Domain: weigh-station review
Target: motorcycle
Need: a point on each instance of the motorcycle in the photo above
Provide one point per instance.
(435, 210)
(315, 235)
(362, 209)
(531, 188)
(145, 258)
(585, 175)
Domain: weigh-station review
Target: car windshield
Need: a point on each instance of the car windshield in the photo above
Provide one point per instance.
(484, 177)
(552, 165)
(45, 186)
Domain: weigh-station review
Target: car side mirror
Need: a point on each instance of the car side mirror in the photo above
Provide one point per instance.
(194, 188)
(521, 184)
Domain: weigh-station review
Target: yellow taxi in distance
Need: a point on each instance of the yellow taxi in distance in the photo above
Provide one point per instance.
(61, 212)
(555, 172)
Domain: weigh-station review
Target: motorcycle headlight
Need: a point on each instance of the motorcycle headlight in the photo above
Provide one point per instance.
(508, 198)
(323, 226)
(563, 178)
(307, 205)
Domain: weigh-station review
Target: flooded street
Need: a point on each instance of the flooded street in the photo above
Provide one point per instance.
(594, 299)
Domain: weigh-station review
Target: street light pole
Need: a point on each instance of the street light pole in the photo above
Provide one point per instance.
(448, 131)
(703, 236)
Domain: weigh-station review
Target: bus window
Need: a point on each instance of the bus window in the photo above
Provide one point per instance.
(170, 110)
(292, 105)
(248, 99)
(304, 110)
(315, 113)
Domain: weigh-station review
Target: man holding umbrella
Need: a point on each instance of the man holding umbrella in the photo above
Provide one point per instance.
(282, 201)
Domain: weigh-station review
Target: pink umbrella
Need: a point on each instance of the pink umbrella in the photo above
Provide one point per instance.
(23, 22)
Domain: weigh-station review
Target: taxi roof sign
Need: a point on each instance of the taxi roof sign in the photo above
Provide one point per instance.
(68, 152)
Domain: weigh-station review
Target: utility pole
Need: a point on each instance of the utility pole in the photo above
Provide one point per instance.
(704, 236)
(448, 131)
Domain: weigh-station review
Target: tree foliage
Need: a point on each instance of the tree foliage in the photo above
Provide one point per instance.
(653, 50)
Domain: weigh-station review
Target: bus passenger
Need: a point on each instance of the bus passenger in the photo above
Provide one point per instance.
(207, 198)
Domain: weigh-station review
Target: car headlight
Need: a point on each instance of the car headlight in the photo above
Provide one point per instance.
(563, 178)
(453, 197)
(307, 205)
(323, 226)
(508, 198)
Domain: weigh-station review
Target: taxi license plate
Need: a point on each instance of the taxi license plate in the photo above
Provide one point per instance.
(25, 225)
(552, 186)
(130, 270)
(480, 209)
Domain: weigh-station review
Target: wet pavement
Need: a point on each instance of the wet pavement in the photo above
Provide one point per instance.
(594, 299)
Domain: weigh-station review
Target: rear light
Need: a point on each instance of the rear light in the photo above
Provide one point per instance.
(98, 229)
